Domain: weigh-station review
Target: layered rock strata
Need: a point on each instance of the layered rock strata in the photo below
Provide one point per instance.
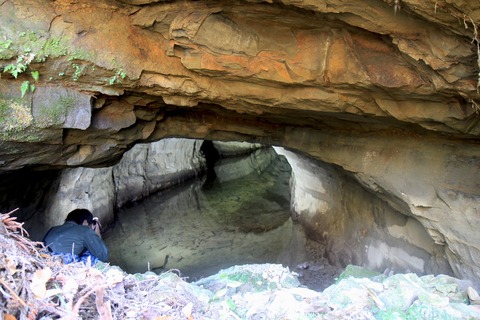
(386, 91)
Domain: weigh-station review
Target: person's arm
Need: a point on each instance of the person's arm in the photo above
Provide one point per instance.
(96, 246)
(97, 226)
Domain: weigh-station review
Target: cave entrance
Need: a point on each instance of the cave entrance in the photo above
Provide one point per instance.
(239, 213)
(241, 217)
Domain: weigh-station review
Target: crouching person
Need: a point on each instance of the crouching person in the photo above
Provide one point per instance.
(78, 239)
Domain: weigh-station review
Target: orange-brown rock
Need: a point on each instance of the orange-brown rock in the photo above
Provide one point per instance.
(386, 91)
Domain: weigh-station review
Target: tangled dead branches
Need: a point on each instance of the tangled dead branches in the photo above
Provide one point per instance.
(20, 259)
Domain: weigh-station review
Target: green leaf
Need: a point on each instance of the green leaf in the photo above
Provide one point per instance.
(6, 44)
(220, 293)
(35, 75)
(9, 68)
(24, 87)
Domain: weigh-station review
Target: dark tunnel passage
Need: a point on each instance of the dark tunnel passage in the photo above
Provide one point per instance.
(211, 156)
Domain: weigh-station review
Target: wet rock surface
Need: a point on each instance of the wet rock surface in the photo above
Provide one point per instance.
(199, 229)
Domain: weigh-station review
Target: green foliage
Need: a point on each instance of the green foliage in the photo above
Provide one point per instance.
(35, 75)
(41, 45)
(5, 49)
(5, 44)
(54, 47)
(24, 48)
(24, 87)
(253, 281)
(357, 272)
(29, 46)
(118, 77)
(78, 71)
(16, 68)
(25, 56)
(79, 54)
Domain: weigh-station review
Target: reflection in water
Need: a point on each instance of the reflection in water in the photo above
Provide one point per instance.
(202, 230)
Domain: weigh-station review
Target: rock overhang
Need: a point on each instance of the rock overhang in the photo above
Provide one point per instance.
(387, 94)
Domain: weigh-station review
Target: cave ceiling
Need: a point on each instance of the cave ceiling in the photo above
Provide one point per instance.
(84, 81)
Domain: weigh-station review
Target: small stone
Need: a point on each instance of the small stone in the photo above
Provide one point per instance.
(187, 310)
(131, 314)
(316, 267)
(473, 295)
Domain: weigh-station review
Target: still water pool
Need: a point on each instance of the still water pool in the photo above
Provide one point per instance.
(199, 231)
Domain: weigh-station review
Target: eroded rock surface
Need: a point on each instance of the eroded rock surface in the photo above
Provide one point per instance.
(356, 225)
(383, 90)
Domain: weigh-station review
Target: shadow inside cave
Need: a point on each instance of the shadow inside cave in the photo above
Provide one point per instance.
(199, 231)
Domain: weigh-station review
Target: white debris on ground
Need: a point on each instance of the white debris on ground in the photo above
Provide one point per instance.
(271, 292)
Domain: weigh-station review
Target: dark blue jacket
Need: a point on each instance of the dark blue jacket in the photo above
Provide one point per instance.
(74, 238)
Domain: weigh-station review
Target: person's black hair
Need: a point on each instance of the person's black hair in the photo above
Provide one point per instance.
(79, 215)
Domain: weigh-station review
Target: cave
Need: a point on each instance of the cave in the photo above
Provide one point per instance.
(375, 107)
(169, 192)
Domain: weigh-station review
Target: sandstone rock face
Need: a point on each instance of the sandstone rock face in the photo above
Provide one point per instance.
(92, 189)
(385, 91)
(144, 169)
(148, 168)
(234, 167)
(356, 225)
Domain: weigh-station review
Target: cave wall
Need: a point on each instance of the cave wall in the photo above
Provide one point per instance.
(229, 149)
(143, 170)
(88, 188)
(233, 167)
(148, 168)
(356, 225)
(432, 180)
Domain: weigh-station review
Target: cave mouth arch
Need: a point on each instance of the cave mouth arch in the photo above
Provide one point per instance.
(263, 234)
(353, 224)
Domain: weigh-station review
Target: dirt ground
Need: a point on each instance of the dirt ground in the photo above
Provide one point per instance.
(316, 273)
